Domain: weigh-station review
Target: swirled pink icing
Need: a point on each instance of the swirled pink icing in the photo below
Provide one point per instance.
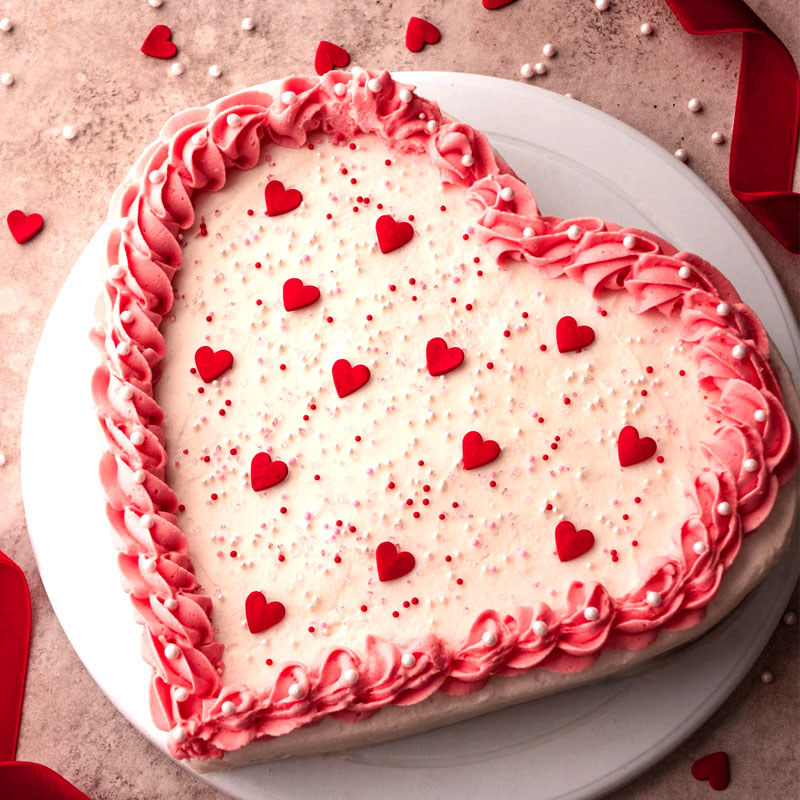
(194, 152)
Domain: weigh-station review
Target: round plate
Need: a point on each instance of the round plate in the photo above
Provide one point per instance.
(578, 161)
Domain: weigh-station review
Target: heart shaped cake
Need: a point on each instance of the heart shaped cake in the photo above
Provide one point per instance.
(388, 448)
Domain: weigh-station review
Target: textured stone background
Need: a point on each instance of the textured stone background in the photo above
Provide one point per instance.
(78, 63)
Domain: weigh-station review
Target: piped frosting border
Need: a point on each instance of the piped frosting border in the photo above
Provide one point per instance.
(194, 151)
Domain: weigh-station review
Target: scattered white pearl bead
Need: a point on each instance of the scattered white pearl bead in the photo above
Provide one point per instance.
(126, 392)
(156, 3)
(694, 105)
(374, 85)
(724, 508)
(171, 604)
(602, 5)
(176, 68)
(147, 520)
(718, 137)
(750, 465)
(5, 25)
(549, 50)
(137, 438)
(287, 98)
(233, 120)
(540, 628)
(339, 89)
(116, 273)
(700, 548)
(123, 348)
(507, 193)
(172, 651)
(646, 28)
(760, 415)
(215, 70)
(248, 24)
(767, 677)
(140, 476)
(2, 459)
(574, 232)
(296, 691)
(489, 638)
(789, 618)
(591, 613)
(408, 660)
(723, 309)
(629, 241)
(7, 79)
(147, 564)
(228, 708)
(350, 677)
(180, 693)
(467, 160)
(684, 272)
(653, 599)
(527, 232)
(681, 154)
(526, 70)
(539, 68)
(178, 734)
(432, 126)
(69, 132)
(406, 95)
(156, 176)
(739, 351)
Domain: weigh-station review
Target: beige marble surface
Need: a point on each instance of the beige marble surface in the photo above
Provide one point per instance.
(77, 63)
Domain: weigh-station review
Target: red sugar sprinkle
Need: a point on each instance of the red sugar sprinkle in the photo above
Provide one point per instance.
(390, 485)
(311, 629)
(258, 265)
(353, 180)
(625, 516)
(637, 499)
(358, 438)
(549, 507)
(392, 287)
(359, 199)
(268, 662)
(524, 315)
(540, 420)
(634, 543)
(660, 459)
(305, 417)
(416, 515)
(644, 392)
(682, 372)
(543, 347)
(425, 501)
(420, 463)
(352, 145)
(426, 488)
(442, 208)
(414, 601)
(316, 477)
(604, 313)
(506, 333)
(227, 402)
(413, 298)
(337, 559)
(283, 509)
(214, 496)
(615, 559)
(329, 216)
(181, 507)
(249, 212)
(492, 484)
(553, 446)
(395, 614)
(363, 608)
(557, 438)
(448, 558)
(352, 528)
(380, 205)
(339, 523)
(281, 557)
(200, 390)
(313, 406)
(192, 370)
(468, 306)
(343, 170)
(459, 581)
(406, 604)
(409, 502)
(234, 451)
(206, 459)
(441, 516)
(455, 505)
(209, 318)
(648, 370)
(489, 365)
(328, 319)
(222, 412)
(388, 162)
(452, 300)
(233, 554)
(545, 457)
(412, 281)
(310, 146)
(258, 302)
(410, 217)
(369, 317)
(480, 273)
(567, 401)
(355, 209)
(465, 237)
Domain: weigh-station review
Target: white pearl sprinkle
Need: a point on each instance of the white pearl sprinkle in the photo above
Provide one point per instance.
(117, 273)
(126, 316)
(180, 693)
(653, 599)
(287, 98)
(507, 193)
(789, 618)
(591, 613)
(408, 660)
(681, 154)
(739, 351)
(176, 68)
(489, 638)
(549, 50)
(215, 70)
(233, 120)
(526, 70)
(137, 438)
(467, 160)
(178, 734)
(602, 5)
(629, 241)
(339, 89)
(147, 520)
(750, 465)
(170, 604)
(172, 651)
(540, 628)
(140, 476)
(694, 105)
(432, 126)
(5, 25)
(527, 232)
(156, 176)
(724, 508)
(147, 564)
(126, 225)
(406, 95)
(350, 677)
(7, 79)
(718, 137)
(540, 68)
(574, 232)
(156, 3)
(760, 415)
(684, 272)
(69, 132)
(248, 24)
(374, 85)
(646, 28)
(700, 548)
(228, 708)
(123, 348)
(296, 691)
(126, 392)
(723, 309)
(767, 677)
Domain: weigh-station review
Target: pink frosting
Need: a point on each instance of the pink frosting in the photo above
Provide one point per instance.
(195, 150)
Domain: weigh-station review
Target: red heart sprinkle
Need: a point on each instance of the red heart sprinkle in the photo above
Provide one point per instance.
(715, 767)
(571, 543)
(493, 4)
(296, 295)
(632, 448)
(391, 234)
(280, 200)
(441, 358)
(570, 336)
(476, 452)
(347, 379)
(328, 56)
(393, 564)
(24, 227)
(419, 33)
(211, 365)
(157, 43)
(264, 472)
(260, 614)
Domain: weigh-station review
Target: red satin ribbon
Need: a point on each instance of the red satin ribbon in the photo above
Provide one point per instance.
(767, 115)
(20, 780)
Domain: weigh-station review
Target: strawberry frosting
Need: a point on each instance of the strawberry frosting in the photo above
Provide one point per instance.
(751, 454)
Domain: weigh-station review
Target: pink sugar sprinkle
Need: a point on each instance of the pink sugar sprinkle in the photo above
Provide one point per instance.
(305, 259)
(615, 502)
(456, 279)
(338, 290)
(476, 542)
(226, 381)
(493, 568)
(203, 419)
(356, 503)
(306, 515)
(531, 459)
(419, 317)
(492, 525)
(552, 593)
(247, 241)
(220, 554)
(369, 470)
(263, 526)
(260, 360)
(523, 553)
(292, 461)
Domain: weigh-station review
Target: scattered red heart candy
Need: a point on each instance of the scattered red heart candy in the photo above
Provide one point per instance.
(571, 543)
(264, 472)
(24, 227)
(476, 452)
(393, 564)
(280, 200)
(297, 295)
(493, 4)
(260, 614)
(391, 234)
(157, 43)
(212, 364)
(419, 33)
(632, 448)
(715, 768)
(328, 56)
(571, 336)
(348, 379)
(441, 358)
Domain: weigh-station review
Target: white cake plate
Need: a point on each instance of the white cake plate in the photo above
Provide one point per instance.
(578, 744)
